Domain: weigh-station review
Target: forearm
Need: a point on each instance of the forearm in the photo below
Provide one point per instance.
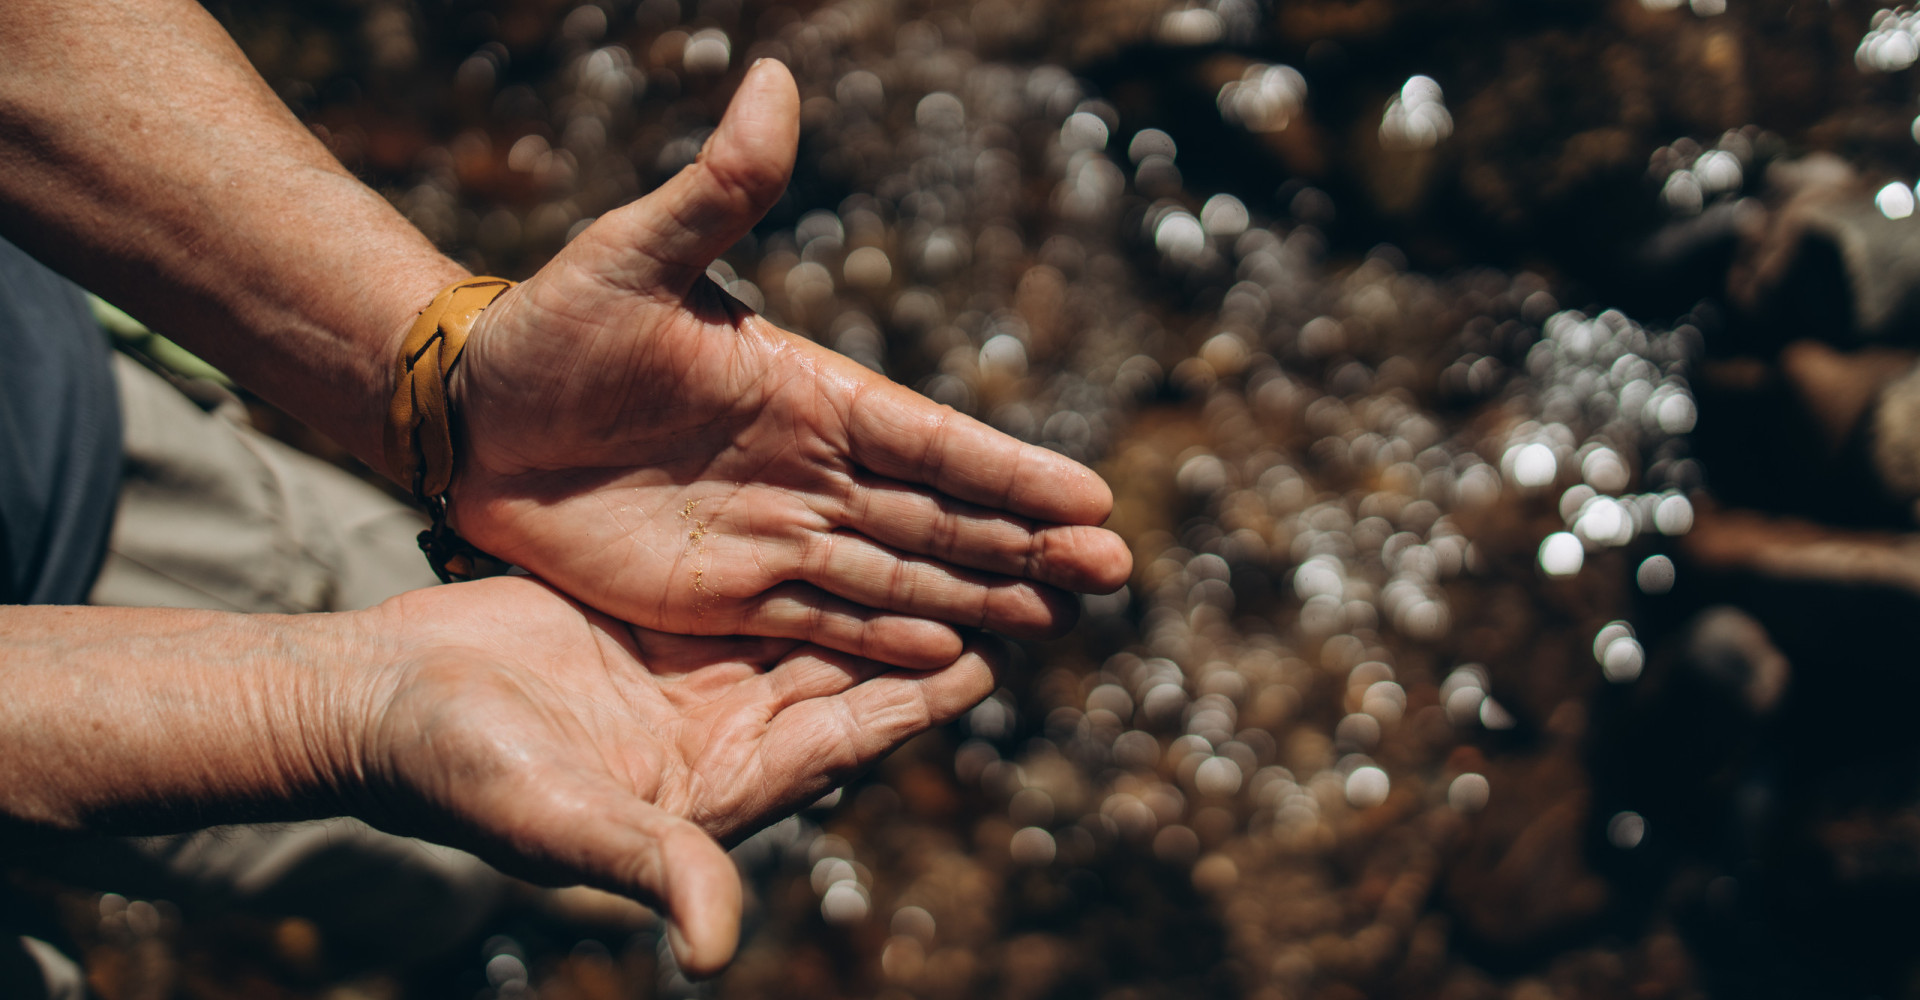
(142, 156)
(135, 720)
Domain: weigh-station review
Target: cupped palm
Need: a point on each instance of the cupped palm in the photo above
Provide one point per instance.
(568, 746)
(642, 440)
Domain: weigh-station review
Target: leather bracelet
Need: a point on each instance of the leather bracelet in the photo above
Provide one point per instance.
(419, 437)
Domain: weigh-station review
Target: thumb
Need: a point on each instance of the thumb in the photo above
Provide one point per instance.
(701, 889)
(625, 845)
(667, 239)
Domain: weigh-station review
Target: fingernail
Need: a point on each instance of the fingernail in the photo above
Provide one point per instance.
(682, 951)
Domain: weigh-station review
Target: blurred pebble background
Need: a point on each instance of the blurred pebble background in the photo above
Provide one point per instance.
(1506, 404)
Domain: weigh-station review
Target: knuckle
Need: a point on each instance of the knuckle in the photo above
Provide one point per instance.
(984, 612)
(817, 619)
(817, 553)
(902, 582)
(1037, 561)
(947, 536)
(935, 455)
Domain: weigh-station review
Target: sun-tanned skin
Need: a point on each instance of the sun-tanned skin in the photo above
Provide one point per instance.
(632, 436)
(576, 744)
(141, 155)
(498, 716)
(773, 487)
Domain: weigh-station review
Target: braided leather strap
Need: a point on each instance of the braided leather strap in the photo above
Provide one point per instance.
(419, 439)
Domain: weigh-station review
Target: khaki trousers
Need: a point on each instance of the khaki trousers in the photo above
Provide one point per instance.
(215, 515)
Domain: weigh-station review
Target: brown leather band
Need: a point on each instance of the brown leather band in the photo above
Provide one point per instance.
(419, 439)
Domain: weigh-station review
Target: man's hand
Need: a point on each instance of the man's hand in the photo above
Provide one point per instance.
(642, 440)
(565, 746)
(631, 433)
(555, 742)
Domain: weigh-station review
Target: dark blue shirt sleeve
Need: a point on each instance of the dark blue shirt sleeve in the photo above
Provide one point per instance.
(59, 436)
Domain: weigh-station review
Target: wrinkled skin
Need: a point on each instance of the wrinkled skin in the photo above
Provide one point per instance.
(640, 439)
(566, 746)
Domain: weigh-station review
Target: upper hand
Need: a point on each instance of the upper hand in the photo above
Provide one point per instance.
(565, 746)
(653, 448)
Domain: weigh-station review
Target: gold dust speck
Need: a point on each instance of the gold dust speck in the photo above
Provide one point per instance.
(699, 527)
(695, 537)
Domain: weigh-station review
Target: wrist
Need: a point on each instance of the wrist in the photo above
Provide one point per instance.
(298, 702)
(423, 438)
(468, 383)
(411, 294)
(420, 432)
(337, 690)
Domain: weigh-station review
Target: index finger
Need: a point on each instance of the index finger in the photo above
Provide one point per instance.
(901, 434)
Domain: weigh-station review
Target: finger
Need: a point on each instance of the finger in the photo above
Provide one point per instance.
(813, 672)
(599, 833)
(1074, 557)
(901, 434)
(668, 238)
(799, 611)
(896, 706)
(874, 716)
(873, 575)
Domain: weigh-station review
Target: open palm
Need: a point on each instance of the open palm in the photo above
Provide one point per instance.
(567, 746)
(649, 445)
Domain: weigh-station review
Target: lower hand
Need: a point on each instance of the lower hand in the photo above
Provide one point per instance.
(565, 746)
